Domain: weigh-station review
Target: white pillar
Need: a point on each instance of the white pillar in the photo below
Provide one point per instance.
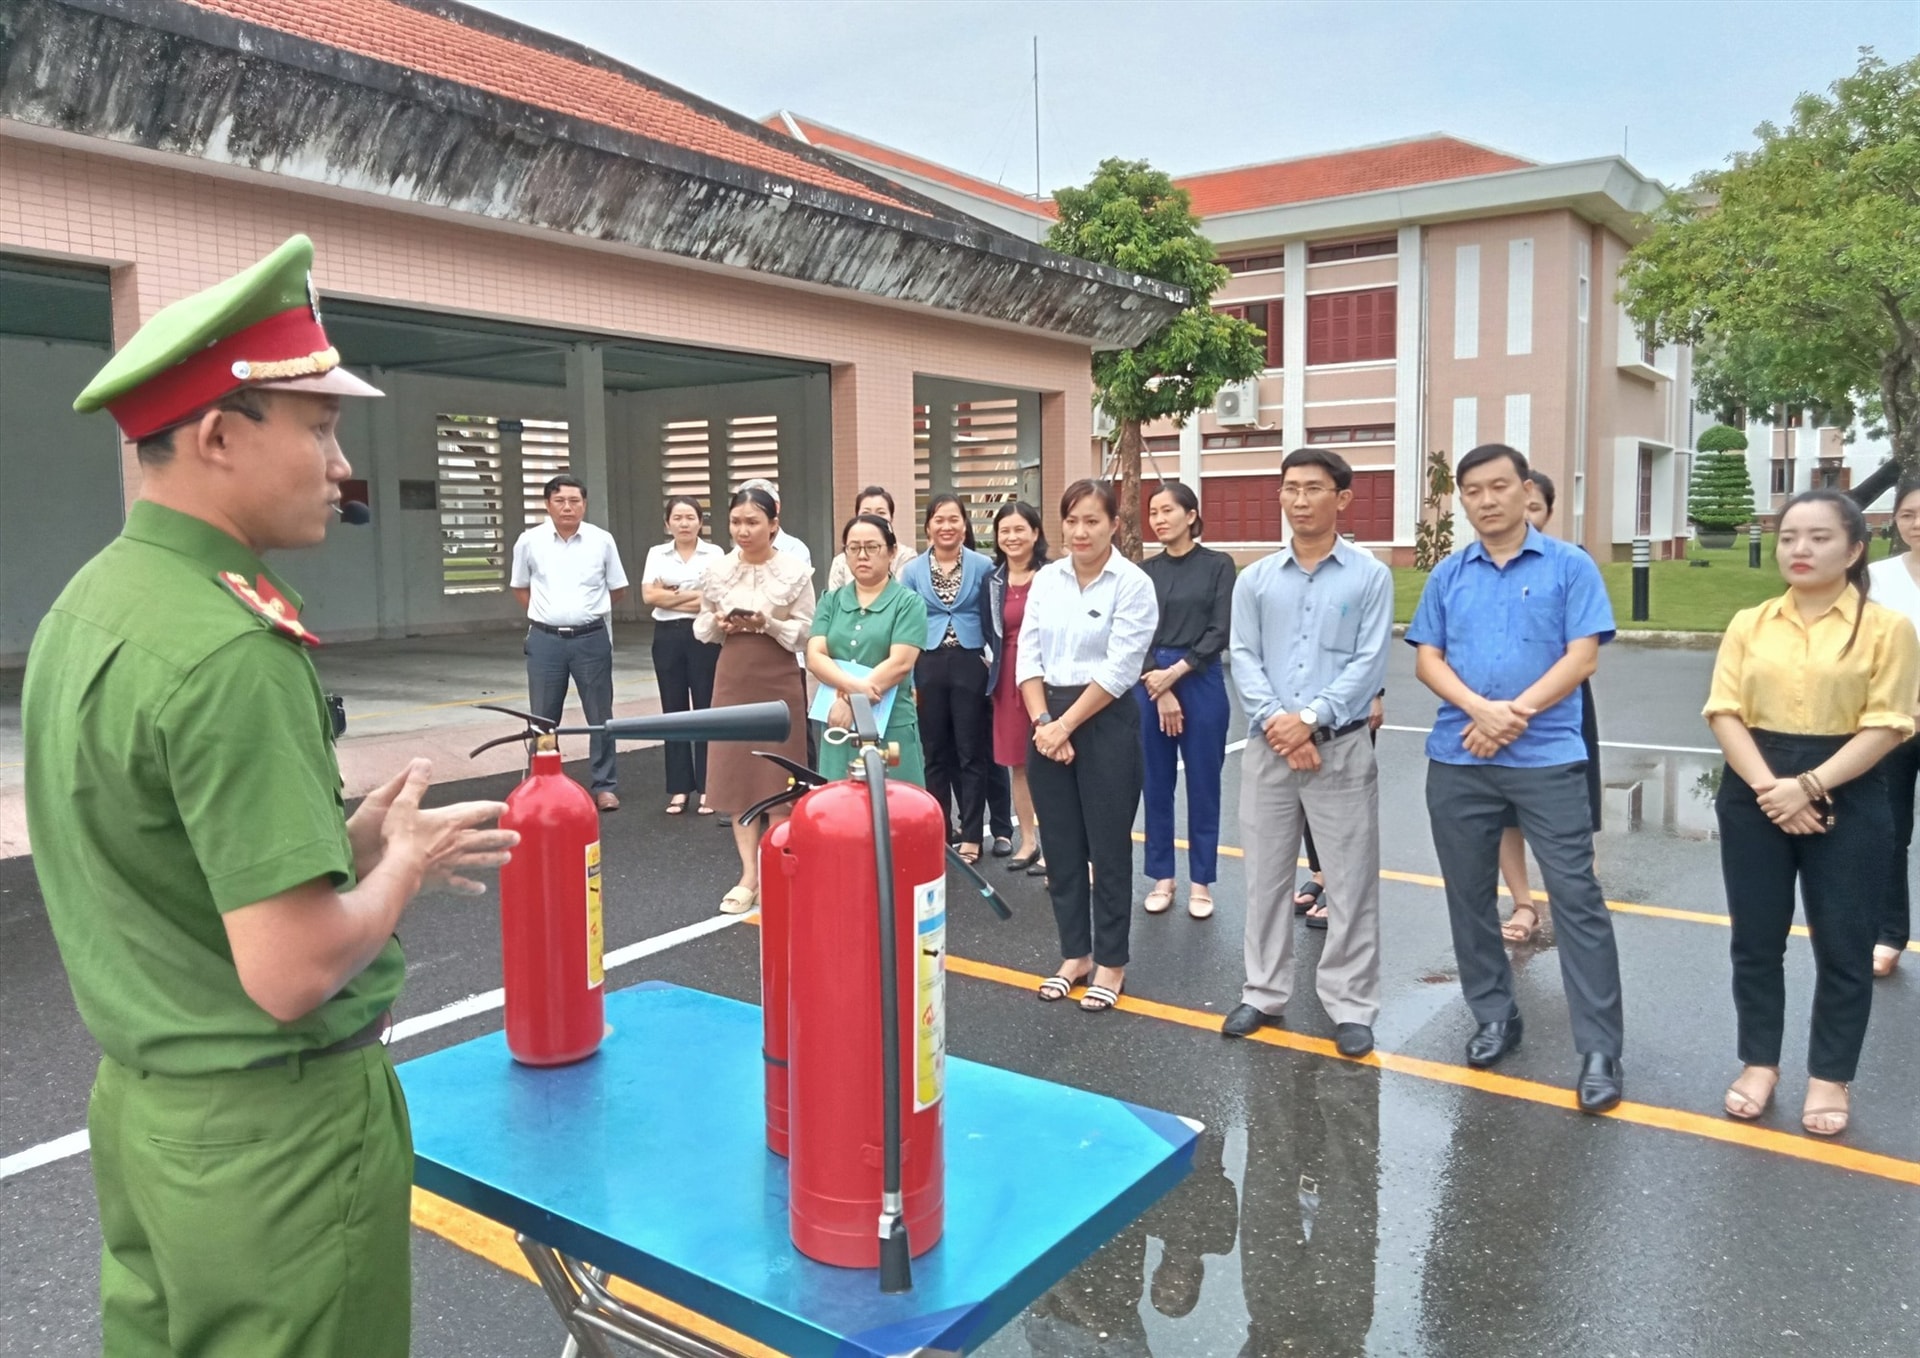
(1410, 360)
(1293, 419)
(1190, 453)
(587, 428)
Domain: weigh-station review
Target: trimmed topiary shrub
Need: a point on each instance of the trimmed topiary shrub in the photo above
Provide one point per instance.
(1721, 498)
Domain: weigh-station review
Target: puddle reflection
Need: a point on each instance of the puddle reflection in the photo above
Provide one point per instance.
(1670, 794)
(1266, 1249)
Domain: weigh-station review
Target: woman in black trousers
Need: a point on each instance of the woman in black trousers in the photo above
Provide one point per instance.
(1810, 693)
(954, 675)
(682, 664)
(1089, 622)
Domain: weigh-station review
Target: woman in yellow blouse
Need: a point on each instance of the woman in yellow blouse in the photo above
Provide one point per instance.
(1811, 690)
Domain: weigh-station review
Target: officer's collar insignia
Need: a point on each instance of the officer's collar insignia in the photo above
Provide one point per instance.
(270, 604)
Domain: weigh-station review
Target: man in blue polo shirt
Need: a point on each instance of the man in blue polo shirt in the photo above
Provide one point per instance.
(1507, 631)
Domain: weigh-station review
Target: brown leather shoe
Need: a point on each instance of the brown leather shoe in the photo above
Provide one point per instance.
(606, 801)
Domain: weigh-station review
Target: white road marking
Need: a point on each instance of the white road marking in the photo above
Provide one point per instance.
(75, 1143)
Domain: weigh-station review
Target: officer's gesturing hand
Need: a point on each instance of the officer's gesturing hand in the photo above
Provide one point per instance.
(449, 840)
(295, 951)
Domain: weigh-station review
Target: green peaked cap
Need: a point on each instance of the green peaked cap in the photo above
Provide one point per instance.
(277, 283)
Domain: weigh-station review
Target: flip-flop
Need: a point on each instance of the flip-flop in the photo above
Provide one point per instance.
(1312, 891)
(1317, 921)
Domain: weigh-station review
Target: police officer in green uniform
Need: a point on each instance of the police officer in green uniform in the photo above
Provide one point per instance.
(227, 929)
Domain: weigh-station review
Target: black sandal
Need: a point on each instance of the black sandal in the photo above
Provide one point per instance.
(1312, 891)
(1099, 999)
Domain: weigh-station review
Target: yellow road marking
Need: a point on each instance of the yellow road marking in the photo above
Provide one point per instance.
(489, 1240)
(1618, 907)
(1644, 1114)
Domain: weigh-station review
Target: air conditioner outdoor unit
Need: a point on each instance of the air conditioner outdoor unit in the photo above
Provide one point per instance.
(1103, 425)
(1238, 403)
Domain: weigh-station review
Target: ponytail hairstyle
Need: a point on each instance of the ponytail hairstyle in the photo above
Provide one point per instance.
(1858, 535)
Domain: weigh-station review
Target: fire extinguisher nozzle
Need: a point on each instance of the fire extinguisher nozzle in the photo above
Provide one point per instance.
(896, 1263)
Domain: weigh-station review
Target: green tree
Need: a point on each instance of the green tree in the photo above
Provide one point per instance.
(1721, 498)
(1132, 217)
(1796, 269)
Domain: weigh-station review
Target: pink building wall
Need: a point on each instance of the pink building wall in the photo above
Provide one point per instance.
(167, 231)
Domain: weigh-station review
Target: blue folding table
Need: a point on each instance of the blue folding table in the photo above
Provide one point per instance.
(648, 1162)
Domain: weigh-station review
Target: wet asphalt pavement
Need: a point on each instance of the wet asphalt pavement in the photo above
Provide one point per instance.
(1335, 1208)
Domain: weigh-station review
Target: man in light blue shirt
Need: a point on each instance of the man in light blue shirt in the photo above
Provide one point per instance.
(1309, 652)
(1507, 632)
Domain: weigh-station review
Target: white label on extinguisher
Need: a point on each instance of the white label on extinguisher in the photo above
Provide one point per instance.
(930, 993)
(596, 930)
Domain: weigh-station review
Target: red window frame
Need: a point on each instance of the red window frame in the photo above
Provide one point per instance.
(1334, 251)
(1247, 508)
(1351, 327)
(1270, 316)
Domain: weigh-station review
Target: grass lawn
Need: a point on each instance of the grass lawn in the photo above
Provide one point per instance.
(1681, 597)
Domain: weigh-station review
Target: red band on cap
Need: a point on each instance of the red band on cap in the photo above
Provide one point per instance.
(167, 398)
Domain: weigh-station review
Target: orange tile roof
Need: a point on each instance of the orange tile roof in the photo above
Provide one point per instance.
(433, 45)
(835, 140)
(1424, 160)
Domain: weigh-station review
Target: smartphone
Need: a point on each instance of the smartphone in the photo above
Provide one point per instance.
(741, 613)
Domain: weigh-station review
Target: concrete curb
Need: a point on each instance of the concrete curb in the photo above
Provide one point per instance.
(1655, 640)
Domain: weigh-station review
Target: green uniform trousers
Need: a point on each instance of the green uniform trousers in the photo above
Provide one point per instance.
(254, 1214)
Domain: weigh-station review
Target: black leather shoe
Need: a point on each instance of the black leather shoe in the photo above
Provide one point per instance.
(1493, 1041)
(1601, 1081)
(1352, 1039)
(1245, 1021)
(1002, 847)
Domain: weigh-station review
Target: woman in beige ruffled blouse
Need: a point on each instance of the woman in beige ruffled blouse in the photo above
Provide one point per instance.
(758, 604)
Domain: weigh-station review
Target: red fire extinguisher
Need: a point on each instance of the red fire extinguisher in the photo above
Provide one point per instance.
(775, 866)
(836, 1021)
(550, 918)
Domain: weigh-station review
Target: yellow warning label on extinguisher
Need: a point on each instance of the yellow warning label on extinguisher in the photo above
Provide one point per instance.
(596, 931)
(930, 994)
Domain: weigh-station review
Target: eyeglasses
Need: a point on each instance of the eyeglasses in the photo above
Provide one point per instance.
(865, 548)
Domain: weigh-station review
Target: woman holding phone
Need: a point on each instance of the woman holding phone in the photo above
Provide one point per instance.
(866, 638)
(757, 603)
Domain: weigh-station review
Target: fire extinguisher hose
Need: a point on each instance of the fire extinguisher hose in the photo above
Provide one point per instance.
(896, 1266)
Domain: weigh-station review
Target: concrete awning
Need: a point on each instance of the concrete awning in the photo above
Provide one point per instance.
(675, 177)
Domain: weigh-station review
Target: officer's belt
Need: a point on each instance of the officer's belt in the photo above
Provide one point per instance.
(353, 1042)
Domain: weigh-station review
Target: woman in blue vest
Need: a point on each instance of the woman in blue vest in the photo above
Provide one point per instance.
(954, 675)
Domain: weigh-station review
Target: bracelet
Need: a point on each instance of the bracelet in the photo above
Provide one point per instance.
(1812, 786)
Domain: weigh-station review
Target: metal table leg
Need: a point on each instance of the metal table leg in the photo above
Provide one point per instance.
(593, 1315)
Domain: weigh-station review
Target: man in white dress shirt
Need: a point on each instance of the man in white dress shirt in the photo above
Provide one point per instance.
(567, 575)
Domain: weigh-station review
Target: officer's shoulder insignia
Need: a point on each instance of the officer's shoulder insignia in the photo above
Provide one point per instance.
(270, 604)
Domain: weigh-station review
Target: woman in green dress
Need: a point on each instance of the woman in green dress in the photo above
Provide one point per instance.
(877, 628)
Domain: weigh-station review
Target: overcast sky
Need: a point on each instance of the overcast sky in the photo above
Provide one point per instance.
(1192, 85)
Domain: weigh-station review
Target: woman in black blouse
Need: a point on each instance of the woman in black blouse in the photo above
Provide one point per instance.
(1184, 710)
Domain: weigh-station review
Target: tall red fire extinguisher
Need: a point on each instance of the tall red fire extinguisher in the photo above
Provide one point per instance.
(865, 1064)
(551, 933)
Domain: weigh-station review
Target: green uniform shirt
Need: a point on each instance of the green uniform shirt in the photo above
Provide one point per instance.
(180, 764)
(867, 636)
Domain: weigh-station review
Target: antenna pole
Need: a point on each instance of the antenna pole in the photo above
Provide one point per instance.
(1036, 117)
